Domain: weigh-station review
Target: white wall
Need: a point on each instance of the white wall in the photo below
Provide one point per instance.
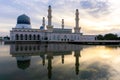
(52, 36)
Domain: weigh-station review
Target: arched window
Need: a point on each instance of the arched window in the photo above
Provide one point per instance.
(71, 37)
(34, 37)
(75, 37)
(65, 37)
(17, 37)
(54, 37)
(25, 36)
(30, 37)
(21, 36)
(49, 37)
(78, 37)
(58, 37)
(38, 37)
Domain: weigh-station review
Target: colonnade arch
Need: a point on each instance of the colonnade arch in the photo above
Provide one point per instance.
(27, 37)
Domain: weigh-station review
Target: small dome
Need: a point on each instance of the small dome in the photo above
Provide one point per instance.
(23, 19)
(41, 27)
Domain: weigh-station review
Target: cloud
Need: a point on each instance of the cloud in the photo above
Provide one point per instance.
(94, 14)
(95, 7)
(96, 71)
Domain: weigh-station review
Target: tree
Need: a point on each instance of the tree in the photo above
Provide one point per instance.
(99, 37)
(6, 38)
(110, 36)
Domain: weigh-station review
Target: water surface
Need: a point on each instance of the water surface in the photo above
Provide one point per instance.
(59, 62)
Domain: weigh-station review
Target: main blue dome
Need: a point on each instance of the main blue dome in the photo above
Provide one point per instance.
(23, 19)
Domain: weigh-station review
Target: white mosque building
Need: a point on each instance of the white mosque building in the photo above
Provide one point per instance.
(24, 32)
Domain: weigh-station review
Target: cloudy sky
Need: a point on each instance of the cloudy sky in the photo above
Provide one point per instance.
(96, 16)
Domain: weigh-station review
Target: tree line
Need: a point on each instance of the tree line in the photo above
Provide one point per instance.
(109, 36)
(4, 38)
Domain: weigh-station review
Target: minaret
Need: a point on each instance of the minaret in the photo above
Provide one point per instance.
(43, 22)
(77, 28)
(49, 16)
(62, 23)
(49, 26)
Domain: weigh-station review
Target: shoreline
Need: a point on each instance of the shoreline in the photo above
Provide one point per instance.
(96, 42)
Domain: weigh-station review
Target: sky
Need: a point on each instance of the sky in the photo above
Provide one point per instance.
(96, 16)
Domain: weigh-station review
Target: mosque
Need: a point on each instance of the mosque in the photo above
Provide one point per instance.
(24, 32)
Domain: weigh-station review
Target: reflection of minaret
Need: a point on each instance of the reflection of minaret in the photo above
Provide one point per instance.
(49, 57)
(62, 23)
(77, 28)
(49, 26)
(0, 42)
(43, 59)
(77, 55)
(62, 59)
(46, 47)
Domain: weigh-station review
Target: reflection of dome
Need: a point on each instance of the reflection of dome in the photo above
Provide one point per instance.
(23, 64)
(41, 27)
(23, 19)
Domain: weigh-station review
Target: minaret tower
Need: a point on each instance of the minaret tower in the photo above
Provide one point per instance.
(49, 26)
(43, 22)
(62, 23)
(77, 28)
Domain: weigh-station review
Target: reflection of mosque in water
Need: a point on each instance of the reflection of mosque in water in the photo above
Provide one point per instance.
(23, 53)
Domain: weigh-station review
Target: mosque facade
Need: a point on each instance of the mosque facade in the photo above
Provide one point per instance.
(24, 32)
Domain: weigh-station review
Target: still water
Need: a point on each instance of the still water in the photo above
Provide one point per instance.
(59, 62)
